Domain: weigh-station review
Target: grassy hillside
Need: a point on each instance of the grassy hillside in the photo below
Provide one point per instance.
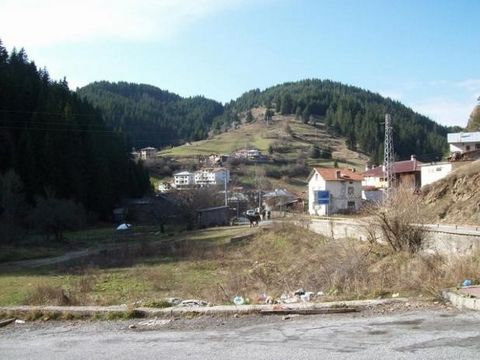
(287, 142)
(356, 114)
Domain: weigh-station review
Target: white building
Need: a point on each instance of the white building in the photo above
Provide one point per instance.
(436, 171)
(183, 179)
(332, 190)
(148, 153)
(164, 187)
(463, 142)
(216, 176)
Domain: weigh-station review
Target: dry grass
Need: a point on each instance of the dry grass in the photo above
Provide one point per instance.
(274, 261)
(288, 258)
(50, 295)
(455, 199)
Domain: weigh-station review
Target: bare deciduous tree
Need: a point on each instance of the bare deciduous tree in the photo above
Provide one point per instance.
(399, 222)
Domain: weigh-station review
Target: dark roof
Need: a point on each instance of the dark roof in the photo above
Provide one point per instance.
(399, 167)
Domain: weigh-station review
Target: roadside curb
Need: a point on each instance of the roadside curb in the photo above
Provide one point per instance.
(461, 301)
(218, 310)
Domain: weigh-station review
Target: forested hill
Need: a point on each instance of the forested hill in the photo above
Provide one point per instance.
(54, 144)
(149, 116)
(351, 112)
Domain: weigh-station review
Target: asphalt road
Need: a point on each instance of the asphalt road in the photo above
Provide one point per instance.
(426, 334)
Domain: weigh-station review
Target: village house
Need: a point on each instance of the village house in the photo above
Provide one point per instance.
(213, 216)
(206, 177)
(406, 172)
(249, 154)
(148, 153)
(464, 146)
(183, 179)
(200, 178)
(280, 199)
(332, 191)
(463, 142)
(164, 187)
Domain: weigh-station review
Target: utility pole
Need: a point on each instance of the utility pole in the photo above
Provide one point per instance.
(226, 195)
(388, 157)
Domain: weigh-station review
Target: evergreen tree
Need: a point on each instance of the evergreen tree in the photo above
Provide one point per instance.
(54, 140)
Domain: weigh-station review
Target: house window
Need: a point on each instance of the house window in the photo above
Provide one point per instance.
(351, 205)
(467, 148)
(350, 191)
(477, 146)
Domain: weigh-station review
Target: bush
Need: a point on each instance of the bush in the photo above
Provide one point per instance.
(279, 147)
(47, 295)
(273, 172)
(398, 222)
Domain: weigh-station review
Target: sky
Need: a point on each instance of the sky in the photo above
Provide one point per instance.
(423, 53)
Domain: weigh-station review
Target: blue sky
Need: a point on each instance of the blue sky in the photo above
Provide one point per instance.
(423, 53)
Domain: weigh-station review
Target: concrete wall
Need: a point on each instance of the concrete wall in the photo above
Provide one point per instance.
(437, 241)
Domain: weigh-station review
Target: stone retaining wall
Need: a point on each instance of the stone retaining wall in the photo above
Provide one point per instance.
(438, 241)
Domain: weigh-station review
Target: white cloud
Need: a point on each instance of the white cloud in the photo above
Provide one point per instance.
(445, 110)
(28, 23)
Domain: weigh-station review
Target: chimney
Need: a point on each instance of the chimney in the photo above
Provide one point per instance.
(413, 158)
(338, 174)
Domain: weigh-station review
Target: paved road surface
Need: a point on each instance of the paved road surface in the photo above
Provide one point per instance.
(427, 334)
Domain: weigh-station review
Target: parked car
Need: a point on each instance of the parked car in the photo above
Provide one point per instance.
(250, 212)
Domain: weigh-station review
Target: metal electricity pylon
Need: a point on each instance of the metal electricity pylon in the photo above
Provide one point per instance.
(388, 157)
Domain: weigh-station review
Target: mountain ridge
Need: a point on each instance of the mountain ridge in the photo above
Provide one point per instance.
(351, 112)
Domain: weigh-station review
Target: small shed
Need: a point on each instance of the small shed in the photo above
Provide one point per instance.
(212, 216)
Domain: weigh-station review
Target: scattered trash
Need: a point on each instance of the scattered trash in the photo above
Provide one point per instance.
(132, 326)
(124, 227)
(395, 295)
(286, 317)
(467, 282)
(236, 316)
(174, 301)
(320, 293)
(18, 321)
(269, 300)
(238, 300)
(307, 297)
(261, 298)
(289, 299)
(299, 292)
(193, 302)
(154, 322)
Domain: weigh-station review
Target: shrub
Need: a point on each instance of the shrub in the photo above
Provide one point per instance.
(43, 295)
(398, 222)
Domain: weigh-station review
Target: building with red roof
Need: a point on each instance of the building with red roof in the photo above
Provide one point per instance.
(406, 172)
(332, 191)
